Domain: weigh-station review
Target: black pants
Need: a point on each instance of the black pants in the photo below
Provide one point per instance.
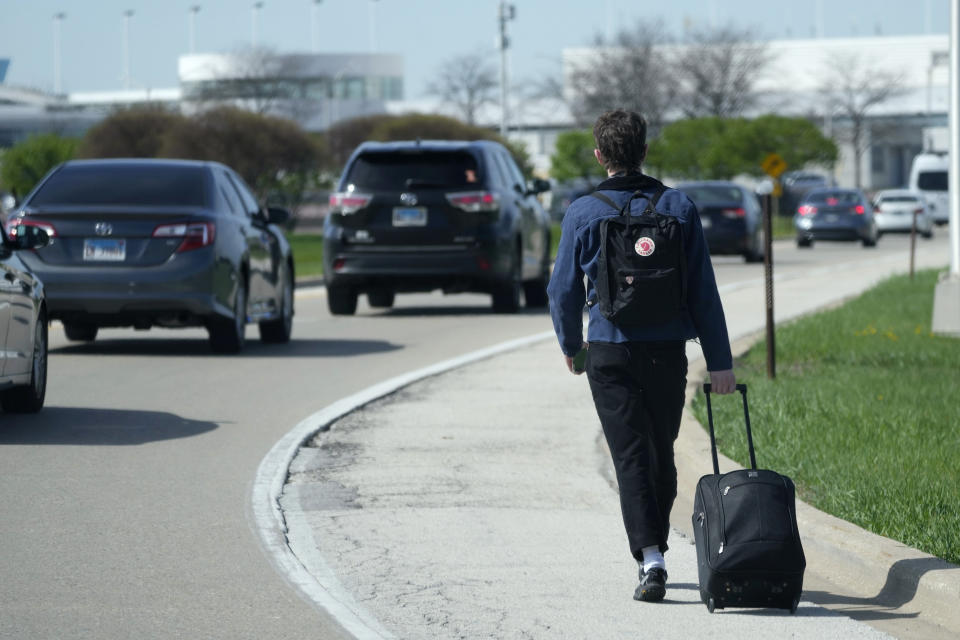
(638, 389)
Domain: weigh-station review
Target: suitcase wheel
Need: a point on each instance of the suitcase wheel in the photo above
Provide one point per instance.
(793, 607)
(711, 605)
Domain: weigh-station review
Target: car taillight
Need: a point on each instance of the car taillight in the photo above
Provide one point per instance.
(346, 203)
(17, 222)
(918, 211)
(195, 234)
(859, 210)
(474, 201)
(739, 212)
(876, 208)
(806, 209)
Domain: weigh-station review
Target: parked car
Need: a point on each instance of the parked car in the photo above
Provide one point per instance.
(731, 217)
(796, 184)
(835, 214)
(23, 326)
(420, 216)
(928, 177)
(169, 243)
(894, 210)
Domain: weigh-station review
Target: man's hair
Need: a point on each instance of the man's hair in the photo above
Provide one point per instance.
(621, 137)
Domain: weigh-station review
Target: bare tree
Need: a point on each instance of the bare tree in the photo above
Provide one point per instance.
(852, 89)
(629, 72)
(257, 79)
(466, 82)
(717, 71)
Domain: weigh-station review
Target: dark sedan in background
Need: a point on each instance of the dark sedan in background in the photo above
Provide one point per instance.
(23, 326)
(835, 214)
(450, 215)
(169, 243)
(731, 217)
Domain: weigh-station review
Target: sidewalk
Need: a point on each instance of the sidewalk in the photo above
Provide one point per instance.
(476, 504)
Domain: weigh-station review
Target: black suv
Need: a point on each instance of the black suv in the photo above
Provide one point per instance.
(450, 215)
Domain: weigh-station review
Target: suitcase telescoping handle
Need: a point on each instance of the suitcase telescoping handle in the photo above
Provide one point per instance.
(742, 388)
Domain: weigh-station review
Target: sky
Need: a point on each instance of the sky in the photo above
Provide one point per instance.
(424, 32)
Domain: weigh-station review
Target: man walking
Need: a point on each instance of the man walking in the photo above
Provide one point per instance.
(637, 370)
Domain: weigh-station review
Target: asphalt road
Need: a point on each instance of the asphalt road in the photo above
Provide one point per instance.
(126, 501)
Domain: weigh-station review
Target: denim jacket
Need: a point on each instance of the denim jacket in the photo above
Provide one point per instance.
(578, 255)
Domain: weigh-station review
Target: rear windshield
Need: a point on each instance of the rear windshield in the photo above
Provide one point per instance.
(834, 198)
(708, 194)
(124, 185)
(398, 171)
(932, 180)
(898, 199)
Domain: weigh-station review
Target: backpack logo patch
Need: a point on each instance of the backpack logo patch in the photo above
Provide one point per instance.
(645, 247)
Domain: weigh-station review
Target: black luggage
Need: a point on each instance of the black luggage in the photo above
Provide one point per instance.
(745, 527)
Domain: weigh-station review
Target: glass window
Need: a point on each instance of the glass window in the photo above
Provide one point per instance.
(246, 197)
(118, 184)
(397, 171)
(833, 198)
(232, 203)
(903, 198)
(878, 156)
(932, 180)
(510, 168)
(705, 194)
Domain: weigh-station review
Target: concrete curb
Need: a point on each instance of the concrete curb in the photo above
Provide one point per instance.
(882, 573)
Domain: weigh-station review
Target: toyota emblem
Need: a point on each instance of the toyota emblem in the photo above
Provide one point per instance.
(409, 199)
(103, 228)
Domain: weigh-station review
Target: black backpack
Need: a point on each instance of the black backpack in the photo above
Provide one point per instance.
(642, 275)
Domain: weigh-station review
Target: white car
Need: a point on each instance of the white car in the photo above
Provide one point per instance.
(893, 209)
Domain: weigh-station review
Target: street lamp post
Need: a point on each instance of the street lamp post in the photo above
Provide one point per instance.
(315, 26)
(194, 10)
(505, 12)
(126, 47)
(254, 15)
(57, 71)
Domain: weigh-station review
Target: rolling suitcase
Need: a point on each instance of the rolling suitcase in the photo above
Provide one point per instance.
(745, 527)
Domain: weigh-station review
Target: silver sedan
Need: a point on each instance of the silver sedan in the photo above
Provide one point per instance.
(894, 210)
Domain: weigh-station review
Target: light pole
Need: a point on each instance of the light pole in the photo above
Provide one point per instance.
(254, 15)
(505, 12)
(315, 26)
(57, 71)
(194, 10)
(126, 47)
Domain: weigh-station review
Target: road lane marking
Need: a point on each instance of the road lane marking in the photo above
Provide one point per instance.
(325, 590)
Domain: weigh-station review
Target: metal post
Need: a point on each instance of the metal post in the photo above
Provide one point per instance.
(954, 182)
(57, 69)
(768, 282)
(913, 244)
(193, 27)
(126, 47)
(254, 14)
(505, 12)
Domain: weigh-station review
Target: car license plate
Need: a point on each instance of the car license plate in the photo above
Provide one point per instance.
(105, 249)
(706, 223)
(831, 218)
(409, 216)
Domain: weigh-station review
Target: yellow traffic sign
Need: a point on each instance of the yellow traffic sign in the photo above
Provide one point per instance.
(773, 165)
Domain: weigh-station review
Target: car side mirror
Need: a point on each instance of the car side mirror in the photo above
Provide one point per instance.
(278, 215)
(538, 185)
(30, 237)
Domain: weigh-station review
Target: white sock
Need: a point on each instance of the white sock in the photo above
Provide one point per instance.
(652, 558)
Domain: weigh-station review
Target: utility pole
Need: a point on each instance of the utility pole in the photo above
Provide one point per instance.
(194, 10)
(126, 47)
(505, 12)
(57, 71)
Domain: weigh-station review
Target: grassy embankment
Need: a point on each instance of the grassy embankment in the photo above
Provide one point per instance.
(863, 415)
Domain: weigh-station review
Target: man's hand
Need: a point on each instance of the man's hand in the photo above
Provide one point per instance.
(568, 360)
(723, 381)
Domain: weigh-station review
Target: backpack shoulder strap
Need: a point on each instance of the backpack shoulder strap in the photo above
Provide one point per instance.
(651, 202)
(605, 199)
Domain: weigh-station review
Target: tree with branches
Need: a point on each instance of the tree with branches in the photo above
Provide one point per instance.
(717, 71)
(851, 90)
(466, 82)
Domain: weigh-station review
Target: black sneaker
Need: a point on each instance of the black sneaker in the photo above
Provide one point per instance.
(653, 585)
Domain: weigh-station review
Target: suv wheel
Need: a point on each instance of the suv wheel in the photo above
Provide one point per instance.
(535, 291)
(29, 398)
(342, 301)
(804, 243)
(80, 331)
(227, 335)
(506, 294)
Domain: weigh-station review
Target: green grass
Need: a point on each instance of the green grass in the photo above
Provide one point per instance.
(307, 253)
(783, 227)
(863, 415)
(554, 239)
